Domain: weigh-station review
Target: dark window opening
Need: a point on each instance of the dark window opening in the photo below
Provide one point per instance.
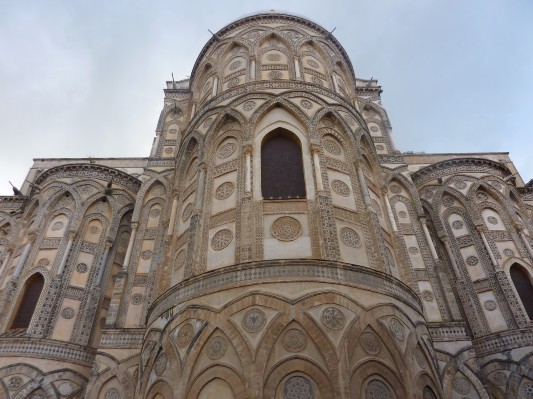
(522, 283)
(32, 292)
(282, 173)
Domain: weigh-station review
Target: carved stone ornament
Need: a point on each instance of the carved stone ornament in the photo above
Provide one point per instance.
(306, 104)
(427, 296)
(499, 378)
(374, 129)
(294, 340)
(460, 185)
(377, 390)
(112, 393)
(185, 335)
(221, 239)
(298, 387)
(273, 57)
(154, 213)
(380, 147)
(286, 228)
(14, 383)
(146, 254)
(224, 190)
(136, 299)
(226, 150)
(57, 226)
(187, 212)
(68, 313)
(160, 364)
(333, 318)
(527, 390)
(332, 147)
(447, 202)
(461, 385)
(370, 343)
(254, 320)
(456, 225)
(81, 268)
(396, 328)
(508, 252)
(413, 250)
(249, 105)
(234, 82)
(402, 214)
(216, 348)
(490, 305)
(234, 65)
(43, 262)
(350, 237)
(340, 188)
(94, 229)
(275, 75)
(313, 64)
(492, 220)
(481, 196)
(472, 261)
(316, 80)
(395, 189)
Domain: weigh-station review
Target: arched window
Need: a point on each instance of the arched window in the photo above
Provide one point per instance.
(282, 173)
(522, 283)
(428, 393)
(32, 291)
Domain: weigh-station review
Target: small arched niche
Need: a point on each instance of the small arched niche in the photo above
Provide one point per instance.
(524, 287)
(30, 297)
(282, 173)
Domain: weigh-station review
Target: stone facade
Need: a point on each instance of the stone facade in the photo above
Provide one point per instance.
(171, 276)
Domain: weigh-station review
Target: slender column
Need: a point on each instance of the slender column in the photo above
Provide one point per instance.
(336, 84)
(24, 256)
(215, 86)
(108, 245)
(71, 236)
(389, 212)
(6, 261)
(429, 239)
(318, 172)
(127, 257)
(297, 68)
(173, 214)
(446, 241)
(252, 68)
(248, 182)
(526, 243)
(201, 188)
(364, 187)
(193, 111)
(487, 247)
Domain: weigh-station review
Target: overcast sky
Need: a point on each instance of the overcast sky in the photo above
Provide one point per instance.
(85, 78)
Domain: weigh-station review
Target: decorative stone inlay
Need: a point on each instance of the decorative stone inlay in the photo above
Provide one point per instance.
(380, 147)
(14, 383)
(461, 385)
(82, 268)
(57, 226)
(350, 237)
(43, 262)
(67, 313)
(185, 335)
(427, 295)
(377, 390)
(499, 378)
(249, 105)
(396, 328)
(419, 356)
(294, 340)
(234, 82)
(286, 228)
(508, 252)
(457, 225)
(481, 196)
(461, 185)
(413, 250)
(221, 239)
(395, 189)
(332, 147)
(341, 188)
(447, 202)
(65, 389)
(94, 229)
(350, 120)
(224, 190)
(112, 393)
(306, 104)
(172, 131)
(298, 387)
(374, 129)
(155, 213)
(160, 364)
(333, 318)
(136, 299)
(187, 212)
(370, 343)
(490, 305)
(313, 64)
(254, 320)
(146, 254)
(472, 260)
(492, 220)
(226, 150)
(275, 75)
(273, 57)
(180, 260)
(402, 214)
(527, 390)
(316, 80)
(234, 65)
(217, 347)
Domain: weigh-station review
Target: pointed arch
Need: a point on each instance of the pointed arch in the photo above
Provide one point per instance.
(27, 303)
(523, 283)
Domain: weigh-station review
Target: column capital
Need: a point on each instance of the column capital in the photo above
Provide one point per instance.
(134, 225)
(248, 149)
(315, 148)
(71, 234)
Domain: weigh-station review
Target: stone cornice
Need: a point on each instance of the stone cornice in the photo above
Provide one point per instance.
(458, 165)
(12, 202)
(90, 171)
(285, 271)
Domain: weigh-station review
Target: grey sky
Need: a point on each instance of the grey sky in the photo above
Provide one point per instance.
(86, 78)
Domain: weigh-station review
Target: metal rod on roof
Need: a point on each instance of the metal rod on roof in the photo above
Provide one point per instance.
(173, 82)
